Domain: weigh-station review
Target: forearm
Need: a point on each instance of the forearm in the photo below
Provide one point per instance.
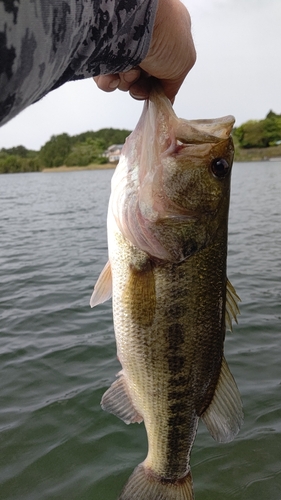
(44, 44)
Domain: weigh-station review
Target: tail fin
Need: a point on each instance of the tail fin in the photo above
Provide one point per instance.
(142, 485)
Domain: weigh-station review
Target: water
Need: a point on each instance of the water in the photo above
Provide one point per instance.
(57, 356)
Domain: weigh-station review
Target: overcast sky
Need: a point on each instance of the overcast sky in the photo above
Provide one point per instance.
(238, 72)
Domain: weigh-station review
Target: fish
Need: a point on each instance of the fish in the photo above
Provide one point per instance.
(172, 301)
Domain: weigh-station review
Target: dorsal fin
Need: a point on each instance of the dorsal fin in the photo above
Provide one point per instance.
(103, 287)
(231, 306)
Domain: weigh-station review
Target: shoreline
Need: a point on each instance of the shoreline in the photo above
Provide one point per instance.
(241, 156)
(112, 166)
(271, 155)
(93, 166)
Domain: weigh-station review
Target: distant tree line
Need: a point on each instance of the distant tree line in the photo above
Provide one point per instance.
(79, 150)
(260, 133)
(89, 147)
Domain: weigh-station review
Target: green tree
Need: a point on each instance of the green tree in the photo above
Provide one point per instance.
(16, 151)
(251, 134)
(79, 150)
(260, 133)
(107, 135)
(55, 151)
(112, 136)
(272, 127)
(85, 153)
(11, 164)
(271, 114)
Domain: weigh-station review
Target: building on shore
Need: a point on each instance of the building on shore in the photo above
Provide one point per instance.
(113, 152)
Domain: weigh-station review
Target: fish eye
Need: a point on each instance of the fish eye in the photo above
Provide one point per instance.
(220, 167)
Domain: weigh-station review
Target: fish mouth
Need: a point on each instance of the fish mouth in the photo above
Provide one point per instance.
(204, 131)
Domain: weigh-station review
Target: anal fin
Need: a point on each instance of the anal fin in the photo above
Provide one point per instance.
(224, 416)
(117, 400)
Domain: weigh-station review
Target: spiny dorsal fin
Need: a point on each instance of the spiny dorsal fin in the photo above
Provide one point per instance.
(103, 287)
(231, 306)
(117, 400)
(224, 416)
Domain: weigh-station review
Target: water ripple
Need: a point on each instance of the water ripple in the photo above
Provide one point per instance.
(58, 356)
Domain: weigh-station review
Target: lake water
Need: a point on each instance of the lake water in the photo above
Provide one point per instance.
(57, 356)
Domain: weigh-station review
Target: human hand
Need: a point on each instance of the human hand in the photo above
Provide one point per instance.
(170, 57)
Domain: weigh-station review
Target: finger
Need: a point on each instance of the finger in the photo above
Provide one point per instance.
(128, 78)
(107, 83)
(122, 81)
(141, 88)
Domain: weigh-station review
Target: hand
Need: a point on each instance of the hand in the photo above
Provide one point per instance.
(170, 57)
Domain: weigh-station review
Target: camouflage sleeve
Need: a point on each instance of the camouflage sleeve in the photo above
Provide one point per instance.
(45, 43)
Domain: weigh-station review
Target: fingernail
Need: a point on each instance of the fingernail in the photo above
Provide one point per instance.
(114, 83)
(138, 97)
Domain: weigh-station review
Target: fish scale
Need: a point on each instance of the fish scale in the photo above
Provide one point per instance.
(167, 239)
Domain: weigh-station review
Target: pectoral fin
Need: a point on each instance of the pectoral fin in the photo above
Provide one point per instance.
(139, 294)
(231, 307)
(103, 287)
(224, 416)
(117, 400)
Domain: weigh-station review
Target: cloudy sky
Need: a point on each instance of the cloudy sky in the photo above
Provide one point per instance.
(238, 72)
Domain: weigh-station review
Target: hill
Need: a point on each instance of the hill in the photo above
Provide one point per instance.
(78, 150)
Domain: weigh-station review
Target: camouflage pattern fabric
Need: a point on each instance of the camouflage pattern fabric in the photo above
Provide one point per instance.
(45, 43)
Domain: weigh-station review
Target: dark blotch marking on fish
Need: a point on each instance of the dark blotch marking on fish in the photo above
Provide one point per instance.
(174, 311)
(178, 417)
(178, 441)
(176, 363)
(179, 381)
(176, 359)
(176, 335)
(179, 400)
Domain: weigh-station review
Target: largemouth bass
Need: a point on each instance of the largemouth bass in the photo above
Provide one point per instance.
(172, 301)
